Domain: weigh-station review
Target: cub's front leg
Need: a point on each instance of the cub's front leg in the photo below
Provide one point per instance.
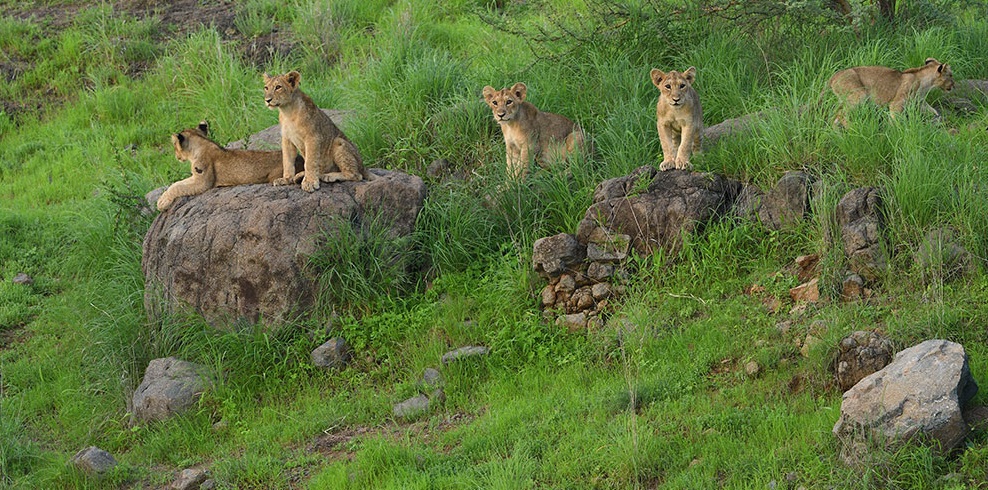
(288, 154)
(313, 166)
(686, 145)
(191, 186)
(670, 143)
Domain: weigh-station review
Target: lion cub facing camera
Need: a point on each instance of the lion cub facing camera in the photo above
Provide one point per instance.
(215, 166)
(531, 133)
(888, 87)
(306, 130)
(678, 117)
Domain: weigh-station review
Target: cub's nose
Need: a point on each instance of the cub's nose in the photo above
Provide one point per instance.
(267, 100)
(500, 115)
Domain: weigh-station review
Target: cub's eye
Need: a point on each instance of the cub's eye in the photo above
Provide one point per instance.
(668, 86)
(507, 102)
(494, 103)
(682, 85)
(277, 87)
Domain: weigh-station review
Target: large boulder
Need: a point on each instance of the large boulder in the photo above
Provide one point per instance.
(859, 214)
(240, 253)
(918, 396)
(170, 386)
(656, 208)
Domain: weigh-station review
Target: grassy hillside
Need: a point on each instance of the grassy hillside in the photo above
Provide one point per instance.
(659, 398)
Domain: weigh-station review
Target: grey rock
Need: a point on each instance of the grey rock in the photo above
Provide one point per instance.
(860, 354)
(241, 253)
(555, 255)
(270, 138)
(566, 284)
(601, 290)
(655, 209)
(209, 484)
(599, 271)
(573, 321)
(712, 134)
(438, 169)
(859, 214)
(920, 394)
(94, 460)
(151, 198)
(190, 479)
(431, 378)
(170, 386)
(748, 201)
(335, 353)
(418, 405)
(605, 246)
(464, 353)
(941, 257)
(787, 203)
(22, 279)
(853, 288)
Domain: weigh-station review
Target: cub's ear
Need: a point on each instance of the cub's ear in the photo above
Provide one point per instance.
(488, 94)
(690, 74)
(267, 78)
(940, 68)
(294, 78)
(930, 60)
(179, 139)
(657, 76)
(204, 127)
(520, 90)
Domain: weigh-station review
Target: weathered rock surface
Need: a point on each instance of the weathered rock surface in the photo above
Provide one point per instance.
(554, 255)
(418, 405)
(860, 354)
(431, 378)
(464, 353)
(190, 479)
(94, 460)
(941, 257)
(169, 387)
(22, 279)
(920, 394)
(335, 353)
(787, 203)
(859, 214)
(240, 253)
(655, 208)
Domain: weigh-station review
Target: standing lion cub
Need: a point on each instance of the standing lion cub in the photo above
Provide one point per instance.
(888, 87)
(678, 117)
(329, 155)
(531, 133)
(215, 166)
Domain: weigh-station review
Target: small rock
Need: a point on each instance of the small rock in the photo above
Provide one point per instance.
(22, 278)
(335, 353)
(599, 271)
(808, 344)
(548, 296)
(808, 292)
(853, 288)
(806, 266)
(584, 299)
(572, 322)
(464, 352)
(752, 368)
(411, 407)
(860, 354)
(170, 386)
(431, 378)
(566, 284)
(209, 484)
(554, 255)
(438, 168)
(601, 290)
(94, 460)
(190, 479)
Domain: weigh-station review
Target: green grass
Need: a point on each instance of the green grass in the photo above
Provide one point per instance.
(657, 398)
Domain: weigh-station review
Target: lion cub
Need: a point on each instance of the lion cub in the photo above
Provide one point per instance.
(215, 166)
(678, 117)
(531, 133)
(888, 87)
(329, 155)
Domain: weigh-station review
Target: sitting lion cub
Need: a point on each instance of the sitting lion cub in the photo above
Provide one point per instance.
(215, 166)
(329, 155)
(888, 87)
(531, 133)
(678, 117)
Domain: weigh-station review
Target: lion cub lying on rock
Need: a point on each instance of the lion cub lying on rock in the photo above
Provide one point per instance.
(678, 117)
(329, 155)
(531, 133)
(888, 87)
(215, 166)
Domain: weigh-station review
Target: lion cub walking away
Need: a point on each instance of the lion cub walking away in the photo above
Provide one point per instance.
(678, 117)
(888, 87)
(531, 133)
(215, 166)
(329, 155)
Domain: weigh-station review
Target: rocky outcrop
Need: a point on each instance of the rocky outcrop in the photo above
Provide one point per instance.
(860, 354)
(170, 386)
(240, 253)
(919, 396)
(656, 208)
(859, 214)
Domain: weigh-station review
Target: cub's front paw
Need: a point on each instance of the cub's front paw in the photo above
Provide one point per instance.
(683, 164)
(667, 165)
(282, 181)
(310, 185)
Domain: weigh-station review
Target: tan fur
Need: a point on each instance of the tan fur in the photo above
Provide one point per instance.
(530, 133)
(329, 155)
(215, 166)
(678, 117)
(889, 88)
